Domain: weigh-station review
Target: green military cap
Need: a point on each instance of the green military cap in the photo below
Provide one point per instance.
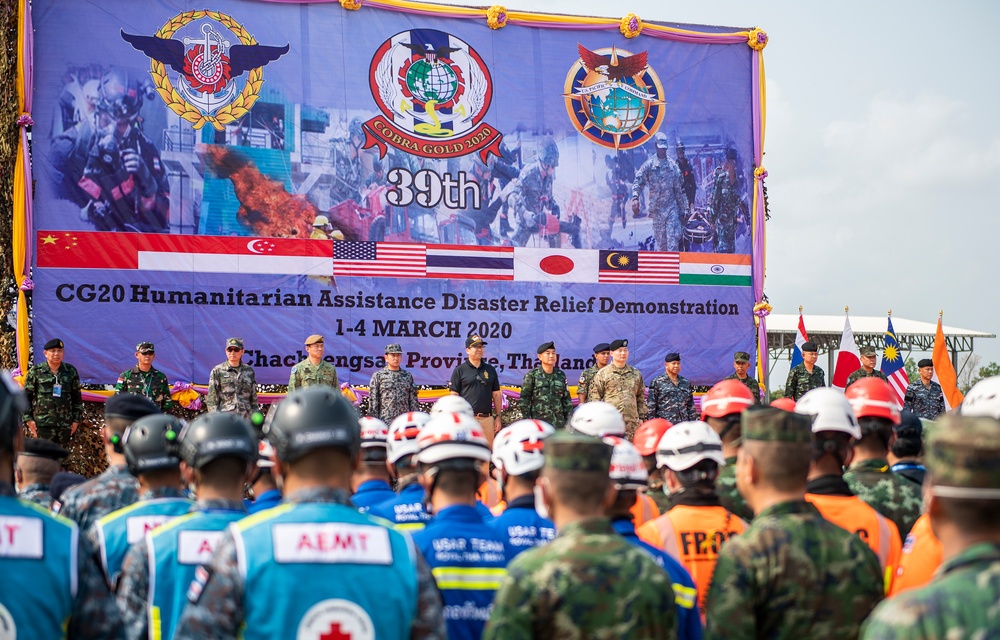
(741, 356)
(145, 347)
(963, 458)
(868, 351)
(576, 452)
(234, 342)
(774, 425)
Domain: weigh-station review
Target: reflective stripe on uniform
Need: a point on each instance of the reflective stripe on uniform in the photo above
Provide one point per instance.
(410, 526)
(685, 597)
(469, 578)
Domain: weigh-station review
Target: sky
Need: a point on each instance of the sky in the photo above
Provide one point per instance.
(882, 151)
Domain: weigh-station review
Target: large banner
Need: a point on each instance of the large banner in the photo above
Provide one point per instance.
(270, 171)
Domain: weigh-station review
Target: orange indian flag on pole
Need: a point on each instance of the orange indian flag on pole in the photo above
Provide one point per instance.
(944, 371)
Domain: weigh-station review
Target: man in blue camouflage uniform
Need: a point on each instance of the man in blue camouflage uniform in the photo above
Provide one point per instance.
(86, 503)
(55, 401)
(289, 578)
(924, 397)
(668, 204)
(232, 385)
(545, 391)
(670, 395)
(145, 380)
(393, 391)
(805, 376)
(726, 204)
(37, 463)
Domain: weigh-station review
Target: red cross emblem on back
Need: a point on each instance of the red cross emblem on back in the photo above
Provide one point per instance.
(335, 633)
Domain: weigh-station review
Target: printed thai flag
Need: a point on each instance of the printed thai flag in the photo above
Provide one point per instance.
(892, 365)
(800, 339)
(470, 263)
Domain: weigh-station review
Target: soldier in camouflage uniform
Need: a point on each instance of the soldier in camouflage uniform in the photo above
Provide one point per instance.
(805, 375)
(741, 362)
(963, 490)
(393, 391)
(621, 386)
(144, 380)
(588, 582)
(670, 395)
(55, 402)
(37, 463)
(867, 369)
(924, 397)
(232, 385)
(726, 204)
(602, 356)
(545, 392)
(687, 174)
(668, 204)
(87, 503)
(791, 574)
(531, 198)
(313, 370)
(869, 475)
(348, 176)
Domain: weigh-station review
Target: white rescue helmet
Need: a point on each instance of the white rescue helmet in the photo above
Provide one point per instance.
(831, 411)
(452, 404)
(374, 433)
(403, 432)
(688, 443)
(628, 470)
(983, 399)
(597, 419)
(520, 448)
(452, 436)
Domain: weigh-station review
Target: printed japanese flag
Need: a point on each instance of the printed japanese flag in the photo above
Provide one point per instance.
(555, 265)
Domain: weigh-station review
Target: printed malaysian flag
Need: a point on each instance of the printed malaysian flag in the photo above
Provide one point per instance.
(470, 263)
(639, 267)
(379, 259)
(892, 365)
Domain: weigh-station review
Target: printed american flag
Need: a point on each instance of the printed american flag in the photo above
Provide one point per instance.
(639, 267)
(380, 260)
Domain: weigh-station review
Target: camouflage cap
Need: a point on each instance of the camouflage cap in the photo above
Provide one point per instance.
(775, 425)
(576, 452)
(741, 356)
(393, 348)
(145, 347)
(963, 458)
(234, 342)
(867, 351)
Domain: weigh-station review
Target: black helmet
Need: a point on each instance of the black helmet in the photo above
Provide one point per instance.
(120, 95)
(549, 154)
(13, 403)
(149, 444)
(355, 129)
(311, 418)
(216, 435)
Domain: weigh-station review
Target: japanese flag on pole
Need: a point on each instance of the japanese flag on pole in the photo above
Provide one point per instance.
(848, 360)
(801, 337)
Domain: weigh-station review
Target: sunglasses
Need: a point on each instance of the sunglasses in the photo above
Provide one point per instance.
(233, 349)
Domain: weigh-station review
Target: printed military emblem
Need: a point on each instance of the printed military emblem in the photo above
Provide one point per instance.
(613, 97)
(218, 66)
(433, 90)
(336, 619)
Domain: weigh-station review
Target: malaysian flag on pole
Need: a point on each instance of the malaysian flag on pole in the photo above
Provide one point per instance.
(639, 267)
(892, 365)
(379, 259)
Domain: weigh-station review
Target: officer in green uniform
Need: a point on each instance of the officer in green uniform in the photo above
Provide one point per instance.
(545, 392)
(867, 369)
(55, 402)
(602, 356)
(805, 375)
(232, 385)
(313, 370)
(741, 363)
(144, 380)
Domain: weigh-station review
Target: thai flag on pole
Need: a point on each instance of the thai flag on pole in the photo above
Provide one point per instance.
(848, 360)
(801, 337)
(892, 365)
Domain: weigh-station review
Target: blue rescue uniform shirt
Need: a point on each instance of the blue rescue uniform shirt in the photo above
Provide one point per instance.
(521, 528)
(266, 500)
(406, 510)
(371, 493)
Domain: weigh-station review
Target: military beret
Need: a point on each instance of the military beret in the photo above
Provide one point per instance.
(741, 356)
(775, 425)
(545, 346)
(54, 343)
(393, 348)
(145, 347)
(618, 344)
(566, 451)
(42, 448)
(129, 405)
(868, 351)
(62, 481)
(809, 345)
(234, 342)
(963, 458)
(925, 362)
(474, 339)
(314, 339)
(602, 346)
(673, 356)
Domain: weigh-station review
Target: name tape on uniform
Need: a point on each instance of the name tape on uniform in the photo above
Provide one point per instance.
(139, 526)
(21, 537)
(196, 547)
(331, 542)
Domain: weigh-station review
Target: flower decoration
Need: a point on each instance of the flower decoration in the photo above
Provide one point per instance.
(496, 16)
(348, 392)
(762, 309)
(27, 285)
(757, 39)
(760, 173)
(186, 395)
(630, 25)
(351, 5)
(24, 120)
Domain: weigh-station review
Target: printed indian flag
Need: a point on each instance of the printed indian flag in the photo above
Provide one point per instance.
(715, 269)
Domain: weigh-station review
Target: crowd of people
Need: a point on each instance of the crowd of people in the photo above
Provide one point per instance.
(829, 514)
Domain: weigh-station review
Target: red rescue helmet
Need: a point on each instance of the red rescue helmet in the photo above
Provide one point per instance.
(873, 398)
(726, 398)
(648, 435)
(785, 404)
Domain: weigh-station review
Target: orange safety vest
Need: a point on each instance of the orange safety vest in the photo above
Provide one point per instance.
(490, 493)
(694, 535)
(643, 510)
(920, 559)
(499, 508)
(877, 531)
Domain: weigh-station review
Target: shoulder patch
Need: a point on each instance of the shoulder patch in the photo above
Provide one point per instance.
(201, 577)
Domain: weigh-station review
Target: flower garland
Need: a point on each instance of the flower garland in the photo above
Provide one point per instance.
(351, 5)
(496, 16)
(630, 25)
(757, 39)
